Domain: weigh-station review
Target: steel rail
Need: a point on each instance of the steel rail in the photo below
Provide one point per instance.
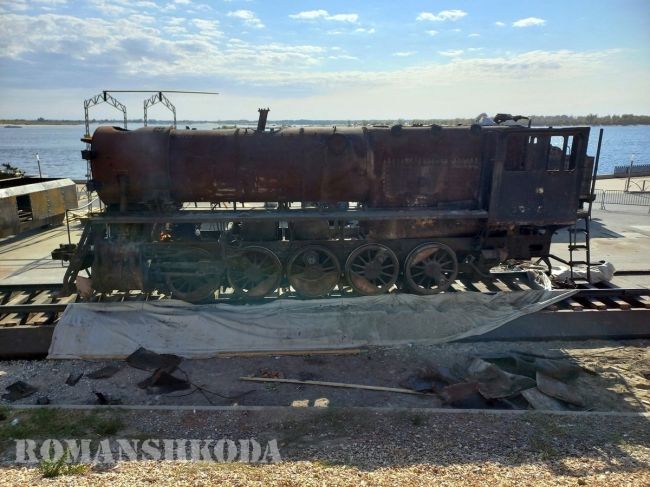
(610, 293)
(32, 308)
(31, 287)
(558, 322)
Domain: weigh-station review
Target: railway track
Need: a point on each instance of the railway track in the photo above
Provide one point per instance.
(29, 312)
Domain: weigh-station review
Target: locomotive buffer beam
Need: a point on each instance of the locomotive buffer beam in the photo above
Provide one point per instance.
(289, 215)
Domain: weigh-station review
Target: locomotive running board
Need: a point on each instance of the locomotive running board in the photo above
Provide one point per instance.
(209, 216)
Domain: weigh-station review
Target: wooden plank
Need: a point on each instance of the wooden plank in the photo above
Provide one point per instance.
(502, 286)
(489, 285)
(643, 301)
(613, 302)
(624, 305)
(574, 305)
(518, 283)
(39, 318)
(480, 287)
(595, 303)
(263, 353)
(67, 299)
(14, 319)
(335, 384)
(459, 286)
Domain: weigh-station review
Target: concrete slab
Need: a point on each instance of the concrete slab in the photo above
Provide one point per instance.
(620, 235)
(26, 258)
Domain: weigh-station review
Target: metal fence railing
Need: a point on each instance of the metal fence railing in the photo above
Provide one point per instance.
(618, 197)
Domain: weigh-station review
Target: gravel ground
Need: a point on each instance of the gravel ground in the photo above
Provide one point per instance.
(315, 474)
(354, 447)
(619, 383)
(337, 445)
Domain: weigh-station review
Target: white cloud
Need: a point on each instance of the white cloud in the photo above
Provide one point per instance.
(363, 30)
(130, 52)
(109, 8)
(142, 19)
(404, 53)
(442, 16)
(345, 57)
(249, 17)
(498, 23)
(183, 2)
(451, 52)
(16, 5)
(325, 15)
(528, 22)
(175, 30)
(310, 15)
(474, 34)
(432, 32)
(51, 2)
(352, 18)
(175, 20)
(208, 28)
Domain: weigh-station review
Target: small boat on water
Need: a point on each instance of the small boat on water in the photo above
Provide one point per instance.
(12, 127)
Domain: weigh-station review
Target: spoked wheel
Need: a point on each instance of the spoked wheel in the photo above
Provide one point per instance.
(372, 269)
(431, 268)
(313, 272)
(192, 274)
(255, 272)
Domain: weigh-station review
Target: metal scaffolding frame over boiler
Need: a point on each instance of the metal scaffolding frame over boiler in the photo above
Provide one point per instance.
(159, 98)
(103, 97)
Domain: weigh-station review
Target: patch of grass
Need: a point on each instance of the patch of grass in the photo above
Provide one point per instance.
(53, 468)
(57, 423)
(4, 412)
(107, 426)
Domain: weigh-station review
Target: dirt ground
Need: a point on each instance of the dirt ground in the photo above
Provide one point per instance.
(616, 377)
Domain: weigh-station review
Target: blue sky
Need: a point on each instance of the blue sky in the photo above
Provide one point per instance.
(328, 59)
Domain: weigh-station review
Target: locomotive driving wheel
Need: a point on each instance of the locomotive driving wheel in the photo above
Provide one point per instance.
(255, 272)
(192, 274)
(372, 269)
(313, 271)
(431, 268)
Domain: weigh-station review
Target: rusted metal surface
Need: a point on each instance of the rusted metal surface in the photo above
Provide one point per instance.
(261, 122)
(486, 193)
(532, 175)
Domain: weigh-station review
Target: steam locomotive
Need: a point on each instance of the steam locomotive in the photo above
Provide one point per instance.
(318, 209)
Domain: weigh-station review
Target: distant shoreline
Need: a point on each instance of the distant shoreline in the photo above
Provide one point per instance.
(538, 120)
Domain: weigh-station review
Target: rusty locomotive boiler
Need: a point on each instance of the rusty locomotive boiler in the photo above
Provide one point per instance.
(316, 209)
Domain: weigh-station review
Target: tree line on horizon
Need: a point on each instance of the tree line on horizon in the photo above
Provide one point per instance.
(543, 120)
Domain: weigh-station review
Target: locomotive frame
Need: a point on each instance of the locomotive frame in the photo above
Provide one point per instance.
(525, 184)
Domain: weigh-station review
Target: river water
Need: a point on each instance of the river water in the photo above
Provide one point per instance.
(58, 147)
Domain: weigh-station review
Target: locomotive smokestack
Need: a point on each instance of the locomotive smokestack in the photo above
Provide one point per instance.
(261, 122)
